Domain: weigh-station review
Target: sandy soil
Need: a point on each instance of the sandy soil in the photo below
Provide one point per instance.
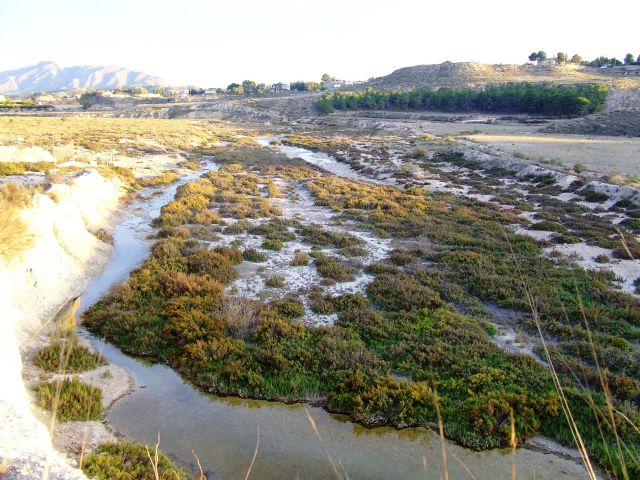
(600, 154)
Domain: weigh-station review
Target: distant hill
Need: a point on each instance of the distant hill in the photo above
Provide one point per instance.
(48, 76)
(478, 74)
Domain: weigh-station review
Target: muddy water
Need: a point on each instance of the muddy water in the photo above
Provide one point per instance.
(224, 431)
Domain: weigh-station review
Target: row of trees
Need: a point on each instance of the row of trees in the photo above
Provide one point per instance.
(560, 57)
(542, 99)
(629, 59)
(301, 86)
(250, 87)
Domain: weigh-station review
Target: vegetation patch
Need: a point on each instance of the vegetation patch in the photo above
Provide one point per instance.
(533, 98)
(127, 461)
(67, 356)
(70, 399)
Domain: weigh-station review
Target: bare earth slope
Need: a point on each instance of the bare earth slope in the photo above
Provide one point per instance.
(472, 73)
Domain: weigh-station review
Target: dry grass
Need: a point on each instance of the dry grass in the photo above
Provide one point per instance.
(14, 236)
(5, 465)
(241, 314)
(601, 154)
(106, 134)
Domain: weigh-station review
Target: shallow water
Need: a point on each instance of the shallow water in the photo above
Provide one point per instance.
(224, 431)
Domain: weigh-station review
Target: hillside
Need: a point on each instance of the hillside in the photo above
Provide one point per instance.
(473, 73)
(48, 76)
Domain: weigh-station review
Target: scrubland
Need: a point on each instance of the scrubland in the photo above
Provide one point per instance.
(374, 296)
(415, 347)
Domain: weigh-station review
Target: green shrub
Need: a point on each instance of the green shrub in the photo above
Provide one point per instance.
(400, 292)
(74, 400)
(253, 255)
(331, 267)
(214, 264)
(289, 307)
(548, 226)
(234, 255)
(67, 356)
(127, 461)
(596, 197)
(272, 245)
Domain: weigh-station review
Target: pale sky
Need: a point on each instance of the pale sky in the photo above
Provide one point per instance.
(212, 43)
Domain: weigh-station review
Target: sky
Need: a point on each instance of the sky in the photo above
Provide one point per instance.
(211, 43)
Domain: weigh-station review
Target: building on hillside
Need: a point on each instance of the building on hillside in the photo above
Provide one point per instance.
(280, 87)
(210, 91)
(333, 84)
(547, 62)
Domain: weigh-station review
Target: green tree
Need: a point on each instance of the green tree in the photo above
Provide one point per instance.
(542, 55)
(232, 87)
(533, 57)
(326, 77)
(561, 57)
(576, 58)
(628, 59)
(249, 86)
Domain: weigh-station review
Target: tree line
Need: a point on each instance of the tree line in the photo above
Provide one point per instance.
(532, 98)
(629, 59)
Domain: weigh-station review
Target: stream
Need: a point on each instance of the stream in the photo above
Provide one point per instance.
(295, 441)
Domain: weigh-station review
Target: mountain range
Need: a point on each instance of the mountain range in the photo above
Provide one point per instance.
(49, 77)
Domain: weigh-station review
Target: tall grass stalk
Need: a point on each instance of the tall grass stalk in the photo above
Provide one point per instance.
(312, 422)
(564, 403)
(255, 454)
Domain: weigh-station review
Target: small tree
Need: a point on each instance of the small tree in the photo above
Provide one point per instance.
(326, 77)
(542, 55)
(576, 58)
(561, 57)
(249, 86)
(628, 59)
(533, 57)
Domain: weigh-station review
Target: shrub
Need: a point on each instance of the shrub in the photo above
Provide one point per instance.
(162, 179)
(126, 461)
(400, 292)
(237, 228)
(219, 267)
(253, 255)
(548, 226)
(331, 267)
(299, 259)
(67, 357)
(596, 197)
(275, 282)
(318, 236)
(232, 254)
(241, 315)
(72, 399)
(272, 245)
(327, 304)
(289, 307)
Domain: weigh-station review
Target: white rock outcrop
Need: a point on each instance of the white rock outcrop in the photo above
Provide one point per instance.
(63, 255)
